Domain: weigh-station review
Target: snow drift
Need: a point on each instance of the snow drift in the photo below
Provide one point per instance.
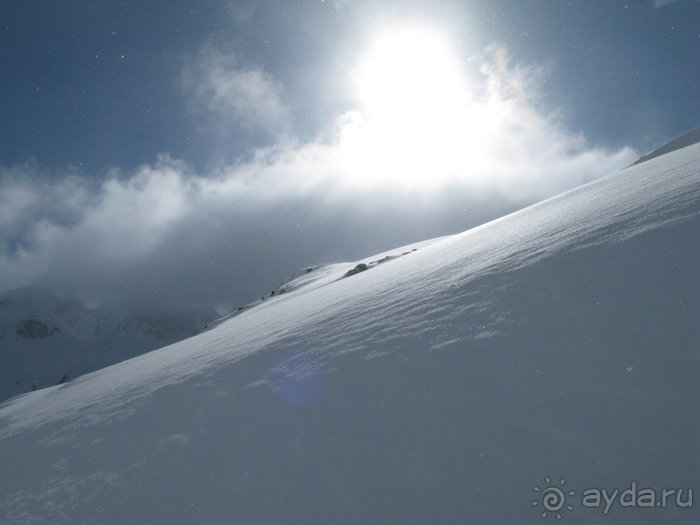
(555, 345)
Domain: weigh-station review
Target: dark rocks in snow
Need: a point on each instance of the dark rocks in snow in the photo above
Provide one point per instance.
(297, 281)
(357, 269)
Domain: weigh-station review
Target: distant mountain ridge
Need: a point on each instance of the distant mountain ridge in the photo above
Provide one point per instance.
(45, 340)
(686, 139)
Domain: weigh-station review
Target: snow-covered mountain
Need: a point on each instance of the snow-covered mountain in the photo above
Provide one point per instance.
(685, 139)
(505, 374)
(45, 340)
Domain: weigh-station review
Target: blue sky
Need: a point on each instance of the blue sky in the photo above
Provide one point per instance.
(137, 132)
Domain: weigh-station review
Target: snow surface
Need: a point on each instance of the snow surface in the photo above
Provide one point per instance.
(438, 387)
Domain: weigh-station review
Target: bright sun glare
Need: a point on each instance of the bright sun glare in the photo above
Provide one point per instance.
(416, 116)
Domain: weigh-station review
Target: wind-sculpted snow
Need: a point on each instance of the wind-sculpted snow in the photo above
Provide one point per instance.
(439, 386)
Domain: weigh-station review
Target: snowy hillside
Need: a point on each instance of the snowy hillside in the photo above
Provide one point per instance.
(552, 352)
(45, 340)
(686, 139)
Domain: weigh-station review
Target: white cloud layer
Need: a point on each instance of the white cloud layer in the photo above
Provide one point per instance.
(230, 92)
(162, 234)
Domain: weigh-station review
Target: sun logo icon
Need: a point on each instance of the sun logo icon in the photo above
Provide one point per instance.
(552, 497)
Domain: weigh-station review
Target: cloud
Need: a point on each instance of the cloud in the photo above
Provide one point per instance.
(163, 234)
(496, 139)
(232, 93)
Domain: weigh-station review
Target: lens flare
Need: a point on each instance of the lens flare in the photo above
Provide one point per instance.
(299, 379)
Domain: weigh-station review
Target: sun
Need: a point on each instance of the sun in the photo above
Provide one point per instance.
(416, 114)
(412, 67)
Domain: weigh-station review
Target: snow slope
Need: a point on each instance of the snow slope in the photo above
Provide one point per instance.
(557, 343)
(312, 277)
(45, 340)
(686, 139)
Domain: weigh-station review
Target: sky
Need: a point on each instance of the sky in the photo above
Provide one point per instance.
(198, 154)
